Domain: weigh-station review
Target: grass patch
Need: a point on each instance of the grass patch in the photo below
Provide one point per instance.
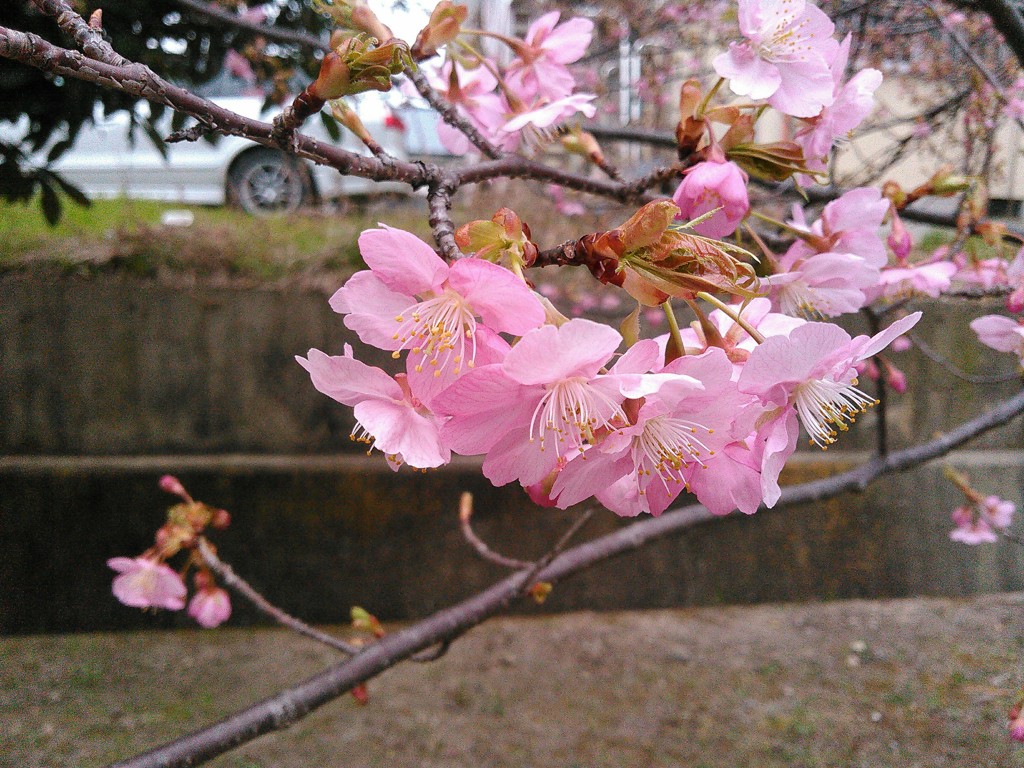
(128, 236)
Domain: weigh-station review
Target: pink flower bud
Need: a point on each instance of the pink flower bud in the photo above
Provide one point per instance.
(171, 484)
(708, 186)
(894, 377)
(221, 519)
(899, 238)
(210, 607)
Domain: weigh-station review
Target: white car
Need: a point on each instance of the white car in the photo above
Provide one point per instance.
(109, 160)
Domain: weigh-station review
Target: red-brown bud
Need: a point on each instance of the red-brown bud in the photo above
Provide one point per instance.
(444, 25)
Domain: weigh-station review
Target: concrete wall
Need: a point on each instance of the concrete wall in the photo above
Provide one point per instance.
(105, 384)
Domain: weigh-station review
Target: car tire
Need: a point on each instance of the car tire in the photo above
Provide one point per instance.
(264, 181)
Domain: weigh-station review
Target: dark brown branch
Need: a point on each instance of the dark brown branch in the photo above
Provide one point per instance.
(137, 80)
(276, 34)
(241, 587)
(89, 39)
(439, 201)
(292, 704)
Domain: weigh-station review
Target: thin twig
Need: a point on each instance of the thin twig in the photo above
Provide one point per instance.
(237, 21)
(244, 589)
(450, 114)
(465, 518)
(955, 370)
(531, 575)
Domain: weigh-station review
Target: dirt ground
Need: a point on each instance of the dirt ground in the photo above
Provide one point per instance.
(923, 682)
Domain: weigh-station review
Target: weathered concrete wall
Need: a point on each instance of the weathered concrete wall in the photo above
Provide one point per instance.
(122, 366)
(101, 379)
(117, 365)
(320, 535)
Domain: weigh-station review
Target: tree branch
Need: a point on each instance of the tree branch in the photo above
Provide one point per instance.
(1006, 18)
(294, 703)
(269, 32)
(241, 587)
(138, 80)
(450, 114)
(87, 38)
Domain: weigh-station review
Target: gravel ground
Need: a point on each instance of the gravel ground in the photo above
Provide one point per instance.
(919, 682)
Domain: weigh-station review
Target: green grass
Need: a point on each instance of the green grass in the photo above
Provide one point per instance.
(127, 235)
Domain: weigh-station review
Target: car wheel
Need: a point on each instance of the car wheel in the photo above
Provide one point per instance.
(268, 181)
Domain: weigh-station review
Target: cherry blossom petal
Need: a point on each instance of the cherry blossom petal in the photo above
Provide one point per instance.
(402, 261)
(547, 354)
(348, 380)
(748, 74)
(502, 299)
(399, 429)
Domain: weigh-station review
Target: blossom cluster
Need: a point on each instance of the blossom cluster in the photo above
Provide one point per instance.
(535, 91)
(560, 410)
(980, 518)
(147, 581)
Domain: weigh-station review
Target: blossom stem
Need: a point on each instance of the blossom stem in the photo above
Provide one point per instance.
(675, 348)
(737, 317)
(514, 43)
(707, 99)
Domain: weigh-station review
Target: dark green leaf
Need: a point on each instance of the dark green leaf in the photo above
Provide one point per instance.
(49, 202)
(71, 190)
(157, 139)
(331, 126)
(58, 149)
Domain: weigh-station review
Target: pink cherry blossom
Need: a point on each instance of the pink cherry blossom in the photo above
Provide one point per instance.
(472, 91)
(999, 512)
(145, 583)
(711, 185)
(851, 103)
(410, 299)
(539, 70)
(563, 205)
(812, 370)
(692, 415)
(1002, 334)
(737, 343)
(388, 415)
(925, 279)
(970, 530)
(987, 273)
(820, 284)
(785, 57)
(850, 224)
(210, 607)
(544, 402)
(543, 113)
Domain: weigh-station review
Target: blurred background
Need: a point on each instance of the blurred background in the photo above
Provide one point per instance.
(153, 297)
